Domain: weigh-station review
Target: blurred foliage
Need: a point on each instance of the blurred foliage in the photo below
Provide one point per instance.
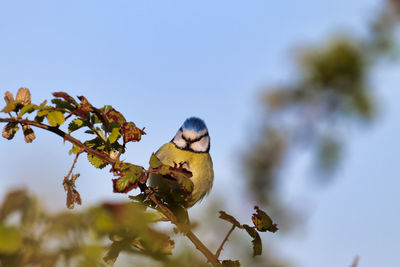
(331, 92)
(30, 236)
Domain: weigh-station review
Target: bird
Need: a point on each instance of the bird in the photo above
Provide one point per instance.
(190, 147)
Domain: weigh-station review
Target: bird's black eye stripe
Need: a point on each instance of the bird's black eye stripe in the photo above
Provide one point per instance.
(195, 140)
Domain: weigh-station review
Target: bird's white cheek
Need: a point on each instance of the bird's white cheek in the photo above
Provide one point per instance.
(179, 142)
(201, 145)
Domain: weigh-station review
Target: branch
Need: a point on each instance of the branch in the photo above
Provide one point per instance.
(167, 212)
(189, 234)
(224, 241)
(65, 136)
(73, 165)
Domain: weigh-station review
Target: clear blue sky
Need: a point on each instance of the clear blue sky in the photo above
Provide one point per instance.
(159, 62)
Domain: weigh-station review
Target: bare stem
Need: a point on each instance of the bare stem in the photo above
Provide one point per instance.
(73, 165)
(224, 241)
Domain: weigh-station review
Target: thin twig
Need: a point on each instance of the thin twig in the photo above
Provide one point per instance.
(224, 241)
(73, 165)
(65, 136)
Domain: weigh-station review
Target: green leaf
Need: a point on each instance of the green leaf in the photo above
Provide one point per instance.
(27, 109)
(114, 136)
(130, 175)
(94, 143)
(75, 125)
(12, 106)
(74, 150)
(263, 222)
(155, 162)
(55, 118)
(96, 162)
(39, 119)
(43, 112)
(224, 216)
(257, 245)
(62, 104)
(41, 106)
(10, 240)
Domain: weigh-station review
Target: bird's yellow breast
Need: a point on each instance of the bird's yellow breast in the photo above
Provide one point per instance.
(200, 164)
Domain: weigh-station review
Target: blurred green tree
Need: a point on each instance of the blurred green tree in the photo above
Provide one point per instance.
(331, 92)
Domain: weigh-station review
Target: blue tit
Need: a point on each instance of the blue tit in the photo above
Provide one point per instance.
(191, 145)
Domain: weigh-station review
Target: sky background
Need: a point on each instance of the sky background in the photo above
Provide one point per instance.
(159, 62)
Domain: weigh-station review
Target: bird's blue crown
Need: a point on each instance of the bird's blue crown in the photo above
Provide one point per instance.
(195, 124)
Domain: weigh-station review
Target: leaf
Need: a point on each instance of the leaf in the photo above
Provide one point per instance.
(224, 216)
(131, 133)
(230, 263)
(55, 118)
(114, 136)
(115, 116)
(75, 125)
(10, 240)
(94, 143)
(43, 112)
(129, 177)
(62, 104)
(9, 130)
(27, 109)
(155, 162)
(73, 195)
(74, 150)
(257, 245)
(11, 106)
(263, 222)
(84, 108)
(66, 97)
(185, 183)
(102, 117)
(96, 162)
(178, 173)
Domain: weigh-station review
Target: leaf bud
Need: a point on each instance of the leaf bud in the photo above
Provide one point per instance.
(8, 97)
(28, 133)
(24, 96)
(9, 130)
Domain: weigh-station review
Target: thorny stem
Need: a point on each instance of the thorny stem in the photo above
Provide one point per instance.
(73, 165)
(224, 241)
(65, 136)
(167, 212)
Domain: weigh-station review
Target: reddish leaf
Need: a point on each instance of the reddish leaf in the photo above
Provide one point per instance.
(66, 97)
(129, 176)
(115, 116)
(83, 108)
(131, 133)
(177, 172)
